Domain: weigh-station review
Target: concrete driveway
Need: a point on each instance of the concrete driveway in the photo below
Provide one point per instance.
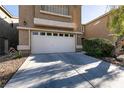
(67, 70)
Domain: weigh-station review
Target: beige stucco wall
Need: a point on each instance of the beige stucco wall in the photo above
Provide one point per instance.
(24, 37)
(28, 12)
(76, 16)
(98, 28)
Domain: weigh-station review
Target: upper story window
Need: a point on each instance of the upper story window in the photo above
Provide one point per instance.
(58, 9)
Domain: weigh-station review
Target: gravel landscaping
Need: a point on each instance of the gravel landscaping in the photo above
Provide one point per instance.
(113, 61)
(8, 67)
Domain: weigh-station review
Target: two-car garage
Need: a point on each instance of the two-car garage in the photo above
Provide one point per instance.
(52, 42)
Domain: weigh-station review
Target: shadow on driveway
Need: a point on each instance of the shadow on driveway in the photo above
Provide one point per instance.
(65, 70)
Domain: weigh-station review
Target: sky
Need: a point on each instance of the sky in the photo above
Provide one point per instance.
(89, 12)
(13, 9)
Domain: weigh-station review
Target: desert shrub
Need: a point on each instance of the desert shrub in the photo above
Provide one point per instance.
(17, 55)
(14, 54)
(98, 47)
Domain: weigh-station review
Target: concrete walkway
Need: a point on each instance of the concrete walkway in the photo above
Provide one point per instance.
(69, 70)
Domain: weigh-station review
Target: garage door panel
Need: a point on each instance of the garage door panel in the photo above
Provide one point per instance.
(52, 44)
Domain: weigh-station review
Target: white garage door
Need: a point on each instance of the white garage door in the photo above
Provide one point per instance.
(46, 42)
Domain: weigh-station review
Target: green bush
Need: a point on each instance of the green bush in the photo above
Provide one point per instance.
(98, 47)
(16, 55)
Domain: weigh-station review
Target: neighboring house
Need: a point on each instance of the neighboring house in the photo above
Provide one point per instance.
(97, 28)
(8, 31)
(49, 28)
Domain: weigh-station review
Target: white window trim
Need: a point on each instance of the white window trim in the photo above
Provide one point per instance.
(48, 30)
(55, 14)
(78, 46)
(23, 47)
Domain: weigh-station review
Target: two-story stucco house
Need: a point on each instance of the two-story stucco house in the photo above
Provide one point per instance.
(97, 28)
(49, 28)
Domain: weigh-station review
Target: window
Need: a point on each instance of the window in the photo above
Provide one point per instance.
(60, 34)
(35, 33)
(71, 35)
(58, 9)
(49, 34)
(66, 35)
(55, 34)
(42, 33)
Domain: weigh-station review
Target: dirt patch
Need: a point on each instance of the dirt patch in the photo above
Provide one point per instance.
(8, 67)
(113, 61)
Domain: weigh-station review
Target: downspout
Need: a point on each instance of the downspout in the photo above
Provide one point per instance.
(29, 42)
(76, 42)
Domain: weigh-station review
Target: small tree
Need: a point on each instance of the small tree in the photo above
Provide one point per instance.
(116, 25)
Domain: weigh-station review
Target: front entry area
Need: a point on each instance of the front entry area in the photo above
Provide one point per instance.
(52, 42)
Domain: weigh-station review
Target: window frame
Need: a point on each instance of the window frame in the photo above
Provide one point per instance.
(35, 33)
(55, 34)
(49, 34)
(56, 14)
(66, 35)
(42, 33)
(71, 35)
(61, 34)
